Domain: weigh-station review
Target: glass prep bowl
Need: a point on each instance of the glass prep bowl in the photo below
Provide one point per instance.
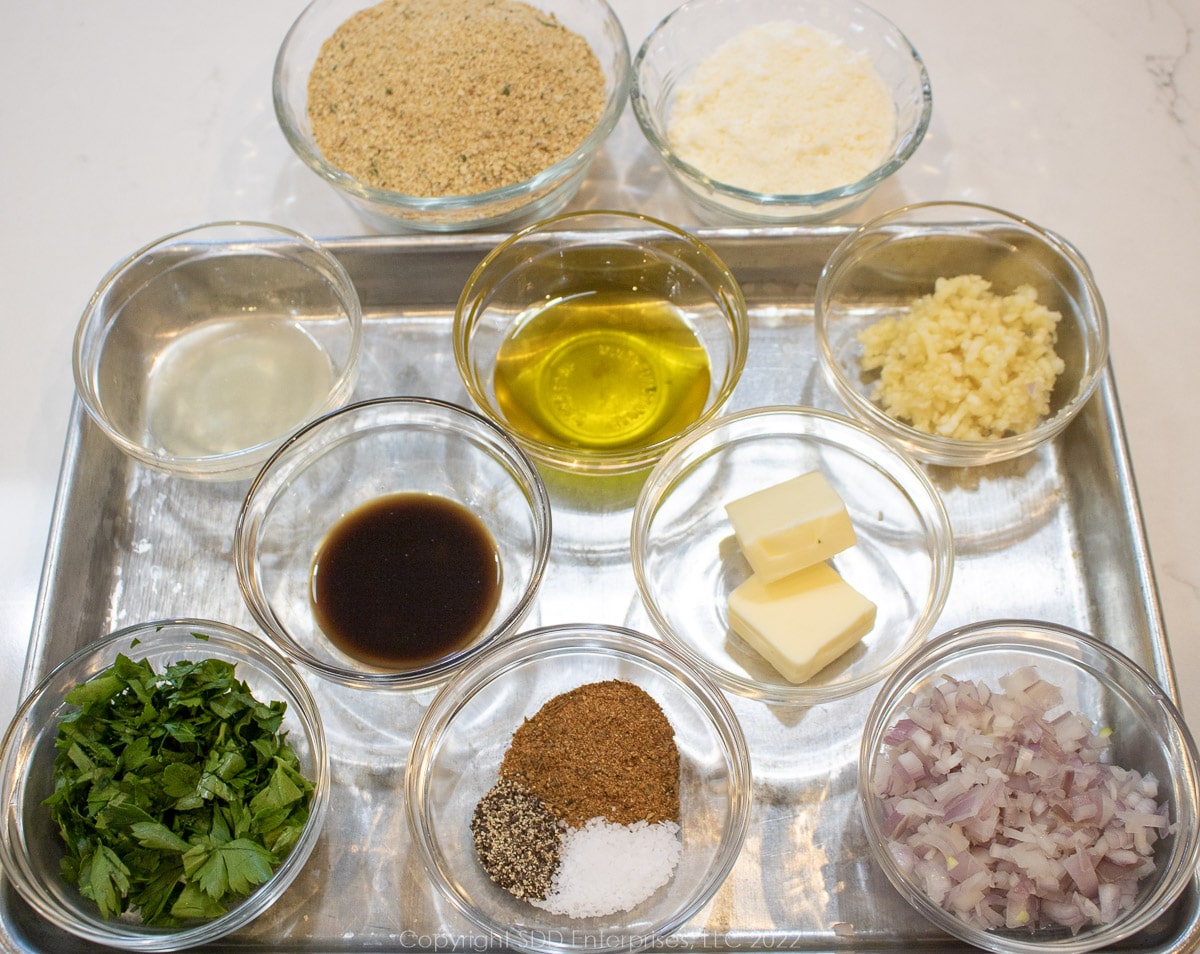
(688, 35)
(29, 843)
(881, 267)
(1148, 734)
(686, 561)
(359, 454)
(461, 741)
(640, 268)
(199, 353)
(540, 195)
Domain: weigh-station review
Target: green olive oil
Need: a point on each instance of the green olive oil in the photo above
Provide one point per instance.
(602, 371)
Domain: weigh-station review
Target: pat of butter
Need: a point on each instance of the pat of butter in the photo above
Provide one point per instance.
(802, 623)
(791, 525)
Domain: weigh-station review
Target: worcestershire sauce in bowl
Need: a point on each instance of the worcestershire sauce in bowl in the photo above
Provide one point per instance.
(405, 579)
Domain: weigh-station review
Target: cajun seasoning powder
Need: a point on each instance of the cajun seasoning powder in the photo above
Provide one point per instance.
(602, 750)
(601, 761)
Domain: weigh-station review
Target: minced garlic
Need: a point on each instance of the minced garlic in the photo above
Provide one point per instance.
(964, 362)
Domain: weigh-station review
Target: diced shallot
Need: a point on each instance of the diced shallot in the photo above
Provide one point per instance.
(1003, 807)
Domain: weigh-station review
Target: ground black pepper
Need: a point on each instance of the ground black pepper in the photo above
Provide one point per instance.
(517, 839)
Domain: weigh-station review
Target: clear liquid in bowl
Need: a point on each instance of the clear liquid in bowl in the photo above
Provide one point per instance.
(234, 383)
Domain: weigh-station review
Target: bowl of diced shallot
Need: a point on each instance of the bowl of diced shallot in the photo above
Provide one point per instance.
(1030, 788)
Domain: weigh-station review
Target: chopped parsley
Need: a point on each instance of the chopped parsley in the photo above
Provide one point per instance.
(174, 793)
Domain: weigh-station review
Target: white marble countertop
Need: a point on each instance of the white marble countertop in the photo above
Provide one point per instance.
(123, 120)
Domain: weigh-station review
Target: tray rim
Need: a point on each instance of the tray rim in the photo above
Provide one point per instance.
(35, 667)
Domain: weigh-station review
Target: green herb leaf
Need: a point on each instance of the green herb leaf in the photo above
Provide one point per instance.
(235, 866)
(174, 793)
(105, 880)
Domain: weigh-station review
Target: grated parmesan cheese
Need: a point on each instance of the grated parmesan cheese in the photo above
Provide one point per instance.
(783, 108)
(964, 362)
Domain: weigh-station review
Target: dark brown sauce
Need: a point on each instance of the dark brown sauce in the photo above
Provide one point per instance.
(405, 579)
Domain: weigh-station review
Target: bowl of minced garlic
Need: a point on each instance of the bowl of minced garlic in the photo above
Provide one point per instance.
(579, 787)
(968, 334)
(446, 115)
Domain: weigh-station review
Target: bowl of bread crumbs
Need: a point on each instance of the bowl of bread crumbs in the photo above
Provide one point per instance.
(578, 788)
(779, 111)
(450, 115)
(967, 334)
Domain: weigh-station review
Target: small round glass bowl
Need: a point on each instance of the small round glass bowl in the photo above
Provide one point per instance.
(671, 54)
(687, 561)
(878, 271)
(363, 452)
(541, 195)
(589, 336)
(201, 351)
(30, 844)
(1148, 735)
(459, 745)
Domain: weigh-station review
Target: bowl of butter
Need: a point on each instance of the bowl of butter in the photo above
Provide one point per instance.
(791, 554)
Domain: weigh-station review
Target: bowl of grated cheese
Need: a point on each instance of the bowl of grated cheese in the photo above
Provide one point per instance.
(779, 112)
(967, 334)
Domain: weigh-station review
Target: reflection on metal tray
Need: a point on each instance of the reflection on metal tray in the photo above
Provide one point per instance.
(1056, 535)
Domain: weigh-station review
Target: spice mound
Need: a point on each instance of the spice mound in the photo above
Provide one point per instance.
(964, 362)
(452, 97)
(584, 817)
(1006, 807)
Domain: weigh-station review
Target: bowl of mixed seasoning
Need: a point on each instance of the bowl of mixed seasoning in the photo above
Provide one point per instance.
(598, 338)
(390, 541)
(967, 334)
(779, 112)
(448, 115)
(163, 786)
(578, 787)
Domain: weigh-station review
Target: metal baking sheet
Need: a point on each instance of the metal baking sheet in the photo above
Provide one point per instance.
(1056, 535)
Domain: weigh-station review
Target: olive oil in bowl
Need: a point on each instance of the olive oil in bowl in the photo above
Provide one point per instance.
(602, 371)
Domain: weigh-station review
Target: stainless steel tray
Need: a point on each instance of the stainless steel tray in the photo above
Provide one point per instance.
(1056, 535)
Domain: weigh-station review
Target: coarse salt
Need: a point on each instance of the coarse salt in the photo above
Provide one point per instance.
(783, 108)
(604, 868)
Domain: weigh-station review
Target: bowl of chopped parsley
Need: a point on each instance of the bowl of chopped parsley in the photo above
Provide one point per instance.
(163, 786)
